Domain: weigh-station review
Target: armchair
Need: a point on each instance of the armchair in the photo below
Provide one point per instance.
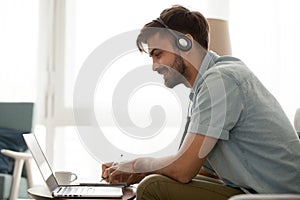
(15, 119)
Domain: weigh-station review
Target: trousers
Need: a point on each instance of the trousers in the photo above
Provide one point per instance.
(159, 187)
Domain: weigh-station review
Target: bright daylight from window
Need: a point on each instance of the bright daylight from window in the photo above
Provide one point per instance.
(44, 46)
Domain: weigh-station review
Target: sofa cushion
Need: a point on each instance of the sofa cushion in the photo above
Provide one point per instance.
(13, 140)
(5, 186)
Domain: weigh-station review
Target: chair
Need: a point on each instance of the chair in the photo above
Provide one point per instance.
(15, 119)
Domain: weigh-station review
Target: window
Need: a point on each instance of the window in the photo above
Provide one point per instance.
(45, 43)
(261, 40)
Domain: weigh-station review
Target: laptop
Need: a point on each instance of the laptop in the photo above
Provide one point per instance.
(69, 191)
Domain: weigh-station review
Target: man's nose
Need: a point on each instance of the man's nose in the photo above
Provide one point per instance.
(155, 66)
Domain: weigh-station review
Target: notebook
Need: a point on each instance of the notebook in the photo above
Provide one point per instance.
(69, 191)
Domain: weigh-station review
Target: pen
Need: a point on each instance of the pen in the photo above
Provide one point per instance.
(113, 164)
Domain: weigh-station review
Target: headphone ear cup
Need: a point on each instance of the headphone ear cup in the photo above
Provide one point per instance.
(183, 43)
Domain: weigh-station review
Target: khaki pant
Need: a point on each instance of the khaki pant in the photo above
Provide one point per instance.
(158, 187)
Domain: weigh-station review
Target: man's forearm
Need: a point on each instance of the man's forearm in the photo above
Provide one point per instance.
(151, 165)
(169, 166)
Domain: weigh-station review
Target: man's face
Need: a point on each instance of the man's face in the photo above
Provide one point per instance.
(165, 61)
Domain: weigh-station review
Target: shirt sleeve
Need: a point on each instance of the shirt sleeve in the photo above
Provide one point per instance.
(217, 105)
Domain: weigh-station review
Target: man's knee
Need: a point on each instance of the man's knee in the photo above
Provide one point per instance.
(149, 188)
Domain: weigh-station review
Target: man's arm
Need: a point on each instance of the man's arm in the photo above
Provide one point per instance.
(181, 167)
(186, 164)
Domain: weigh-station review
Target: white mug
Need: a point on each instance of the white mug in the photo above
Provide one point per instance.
(65, 177)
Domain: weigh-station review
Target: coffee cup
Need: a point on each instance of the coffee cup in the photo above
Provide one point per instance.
(65, 177)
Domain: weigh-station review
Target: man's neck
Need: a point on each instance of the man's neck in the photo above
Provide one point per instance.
(193, 68)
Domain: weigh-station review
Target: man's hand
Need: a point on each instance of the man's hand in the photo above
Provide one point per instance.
(121, 173)
(106, 170)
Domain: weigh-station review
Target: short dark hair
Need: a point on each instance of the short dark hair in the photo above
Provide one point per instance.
(180, 19)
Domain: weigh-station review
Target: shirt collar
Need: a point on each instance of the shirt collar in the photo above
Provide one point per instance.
(208, 61)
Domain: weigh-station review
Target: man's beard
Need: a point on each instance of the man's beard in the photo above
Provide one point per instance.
(175, 74)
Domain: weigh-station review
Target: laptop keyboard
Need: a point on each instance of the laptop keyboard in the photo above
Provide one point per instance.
(75, 191)
(87, 191)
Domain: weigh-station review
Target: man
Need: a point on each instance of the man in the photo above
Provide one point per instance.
(237, 132)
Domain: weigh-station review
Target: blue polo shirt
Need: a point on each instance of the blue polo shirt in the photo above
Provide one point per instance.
(258, 148)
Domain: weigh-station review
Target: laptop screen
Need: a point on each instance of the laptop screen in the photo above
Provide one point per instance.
(41, 160)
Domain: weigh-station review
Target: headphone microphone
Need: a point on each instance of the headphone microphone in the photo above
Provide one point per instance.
(182, 42)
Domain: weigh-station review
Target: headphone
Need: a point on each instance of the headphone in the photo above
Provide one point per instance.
(182, 42)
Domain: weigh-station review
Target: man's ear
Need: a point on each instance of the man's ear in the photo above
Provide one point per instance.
(190, 37)
(191, 42)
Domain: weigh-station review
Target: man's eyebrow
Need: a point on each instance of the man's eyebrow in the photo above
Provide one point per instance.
(152, 51)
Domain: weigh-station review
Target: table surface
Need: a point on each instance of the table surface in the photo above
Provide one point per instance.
(43, 193)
